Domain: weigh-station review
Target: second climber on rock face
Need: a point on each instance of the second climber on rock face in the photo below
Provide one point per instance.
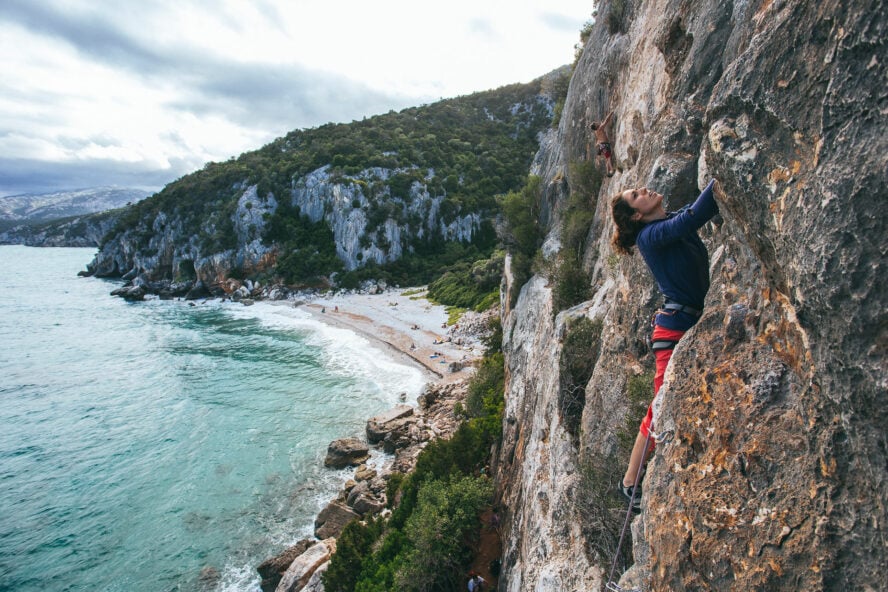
(602, 143)
(679, 262)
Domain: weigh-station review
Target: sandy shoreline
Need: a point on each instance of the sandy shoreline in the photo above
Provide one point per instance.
(410, 327)
(412, 330)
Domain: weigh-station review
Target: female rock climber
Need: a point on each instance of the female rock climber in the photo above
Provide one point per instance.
(679, 262)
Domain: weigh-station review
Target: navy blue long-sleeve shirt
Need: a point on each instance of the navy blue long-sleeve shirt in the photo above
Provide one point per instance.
(678, 258)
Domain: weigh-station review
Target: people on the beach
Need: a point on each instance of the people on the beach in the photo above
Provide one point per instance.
(476, 583)
(679, 262)
(602, 143)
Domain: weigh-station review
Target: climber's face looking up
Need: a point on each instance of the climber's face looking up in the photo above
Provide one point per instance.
(648, 205)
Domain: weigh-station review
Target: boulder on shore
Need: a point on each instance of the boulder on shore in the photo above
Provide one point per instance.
(272, 570)
(303, 567)
(346, 452)
(380, 426)
(333, 519)
(363, 500)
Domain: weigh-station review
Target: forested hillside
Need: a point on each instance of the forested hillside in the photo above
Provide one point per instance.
(401, 196)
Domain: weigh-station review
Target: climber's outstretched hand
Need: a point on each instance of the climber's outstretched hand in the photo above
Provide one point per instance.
(719, 191)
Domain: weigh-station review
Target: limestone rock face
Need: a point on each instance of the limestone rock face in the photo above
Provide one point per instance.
(173, 250)
(775, 478)
(343, 206)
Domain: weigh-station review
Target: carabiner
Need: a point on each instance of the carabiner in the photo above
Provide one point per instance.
(664, 437)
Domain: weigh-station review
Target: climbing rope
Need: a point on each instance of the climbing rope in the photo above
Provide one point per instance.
(662, 438)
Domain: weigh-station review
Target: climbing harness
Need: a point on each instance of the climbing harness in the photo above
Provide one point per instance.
(682, 308)
(663, 344)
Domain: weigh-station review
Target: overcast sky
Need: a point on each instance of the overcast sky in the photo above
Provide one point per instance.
(137, 93)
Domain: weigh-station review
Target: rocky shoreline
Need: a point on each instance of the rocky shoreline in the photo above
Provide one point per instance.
(396, 436)
(401, 433)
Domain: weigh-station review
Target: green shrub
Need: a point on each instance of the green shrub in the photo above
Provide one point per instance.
(425, 545)
(571, 282)
(521, 210)
(522, 233)
(484, 400)
(601, 510)
(353, 545)
(453, 314)
(579, 213)
(470, 286)
(439, 533)
(391, 488)
(306, 249)
(493, 340)
(413, 292)
(639, 393)
(579, 352)
(617, 16)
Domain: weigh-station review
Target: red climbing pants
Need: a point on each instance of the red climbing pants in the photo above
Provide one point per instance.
(663, 356)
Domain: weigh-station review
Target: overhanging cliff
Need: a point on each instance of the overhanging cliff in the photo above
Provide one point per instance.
(776, 476)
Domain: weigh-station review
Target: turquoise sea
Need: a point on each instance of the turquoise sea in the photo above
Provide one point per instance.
(165, 445)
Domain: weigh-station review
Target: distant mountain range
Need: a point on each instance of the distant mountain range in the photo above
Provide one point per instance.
(31, 218)
(43, 207)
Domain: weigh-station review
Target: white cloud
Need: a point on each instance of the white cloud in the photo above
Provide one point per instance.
(166, 85)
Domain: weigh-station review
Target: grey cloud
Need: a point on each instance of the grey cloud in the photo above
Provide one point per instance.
(270, 99)
(91, 34)
(285, 98)
(251, 95)
(560, 22)
(482, 27)
(19, 176)
(78, 143)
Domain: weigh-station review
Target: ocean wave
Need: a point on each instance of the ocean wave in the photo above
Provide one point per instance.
(345, 352)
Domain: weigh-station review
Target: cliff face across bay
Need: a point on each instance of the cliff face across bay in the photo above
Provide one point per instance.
(775, 478)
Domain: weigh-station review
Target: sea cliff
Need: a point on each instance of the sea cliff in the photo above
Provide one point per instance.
(775, 476)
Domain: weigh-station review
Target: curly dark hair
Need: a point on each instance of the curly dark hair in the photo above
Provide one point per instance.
(627, 229)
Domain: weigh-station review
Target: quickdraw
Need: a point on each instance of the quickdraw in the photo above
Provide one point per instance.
(664, 437)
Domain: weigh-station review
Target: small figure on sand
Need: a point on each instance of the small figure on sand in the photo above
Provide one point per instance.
(602, 143)
(476, 582)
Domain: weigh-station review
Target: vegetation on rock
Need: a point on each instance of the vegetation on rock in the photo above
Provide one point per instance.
(427, 542)
(456, 154)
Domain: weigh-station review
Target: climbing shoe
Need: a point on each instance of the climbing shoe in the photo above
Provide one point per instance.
(626, 490)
